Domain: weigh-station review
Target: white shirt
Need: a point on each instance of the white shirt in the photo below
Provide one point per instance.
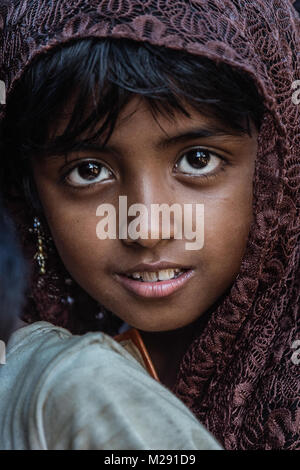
(62, 391)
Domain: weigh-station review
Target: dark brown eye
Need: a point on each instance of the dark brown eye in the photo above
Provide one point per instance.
(198, 158)
(198, 162)
(88, 173)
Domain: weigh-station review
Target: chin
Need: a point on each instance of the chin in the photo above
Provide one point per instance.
(159, 326)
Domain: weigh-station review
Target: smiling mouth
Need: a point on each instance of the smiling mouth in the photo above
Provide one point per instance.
(153, 284)
(156, 276)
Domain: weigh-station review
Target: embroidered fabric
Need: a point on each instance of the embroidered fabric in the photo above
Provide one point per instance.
(238, 375)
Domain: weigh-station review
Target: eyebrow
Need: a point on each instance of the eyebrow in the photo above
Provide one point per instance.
(164, 142)
(198, 133)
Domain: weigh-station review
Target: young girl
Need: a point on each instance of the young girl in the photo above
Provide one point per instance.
(165, 103)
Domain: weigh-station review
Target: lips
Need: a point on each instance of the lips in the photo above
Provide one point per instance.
(160, 275)
(153, 267)
(155, 280)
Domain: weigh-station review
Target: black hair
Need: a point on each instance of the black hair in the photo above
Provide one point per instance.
(103, 75)
(13, 275)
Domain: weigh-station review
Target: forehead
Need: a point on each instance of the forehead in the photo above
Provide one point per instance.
(138, 122)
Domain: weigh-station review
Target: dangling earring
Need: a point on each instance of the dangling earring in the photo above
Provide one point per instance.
(40, 255)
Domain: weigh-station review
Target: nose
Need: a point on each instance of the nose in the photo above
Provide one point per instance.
(150, 223)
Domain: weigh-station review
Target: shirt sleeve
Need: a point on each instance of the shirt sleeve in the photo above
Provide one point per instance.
(95, 395)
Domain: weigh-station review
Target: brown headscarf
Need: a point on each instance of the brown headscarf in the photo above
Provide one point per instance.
(238, 376)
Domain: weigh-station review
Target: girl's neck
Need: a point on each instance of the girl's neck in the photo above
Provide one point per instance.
(166, 350)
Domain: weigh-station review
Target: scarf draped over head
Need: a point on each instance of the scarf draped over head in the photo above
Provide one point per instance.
(240, 376)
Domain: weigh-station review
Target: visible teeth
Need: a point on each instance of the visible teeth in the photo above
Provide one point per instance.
(166, 274)
(136, 275)
(162, 275)
(150, 277)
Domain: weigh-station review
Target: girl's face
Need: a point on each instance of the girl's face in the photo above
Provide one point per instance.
(147, 161)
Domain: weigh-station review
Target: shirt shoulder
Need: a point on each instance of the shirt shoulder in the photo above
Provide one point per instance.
(87, 392)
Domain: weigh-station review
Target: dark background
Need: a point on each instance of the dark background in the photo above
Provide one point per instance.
(297, 5)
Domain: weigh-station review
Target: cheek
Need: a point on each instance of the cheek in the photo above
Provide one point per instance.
(72, 222)
(228, 219)
(73, 231)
